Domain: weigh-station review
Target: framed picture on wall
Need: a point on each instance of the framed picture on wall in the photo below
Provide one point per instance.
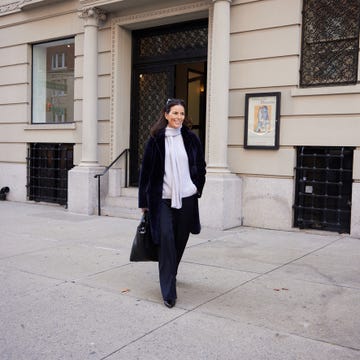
(262, 121)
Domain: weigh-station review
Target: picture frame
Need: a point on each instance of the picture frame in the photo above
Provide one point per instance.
(262, 121)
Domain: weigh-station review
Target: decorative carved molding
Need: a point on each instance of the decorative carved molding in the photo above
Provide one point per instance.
(91, 2)
(113, 88)
(209, 71)
(98, 14)
(162, 13)
(20, 5)
(12, 7)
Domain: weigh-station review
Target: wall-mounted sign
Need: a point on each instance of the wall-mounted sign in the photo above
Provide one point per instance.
(262, 121)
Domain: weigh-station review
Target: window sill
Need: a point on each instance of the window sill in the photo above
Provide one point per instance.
(69, 126)
(328, 90)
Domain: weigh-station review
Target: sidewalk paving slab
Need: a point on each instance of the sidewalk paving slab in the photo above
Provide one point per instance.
(68, 291)
(68, 321)
(196, 284)
(256, 250)
(337, 263)
(311, 310)
(202, 336)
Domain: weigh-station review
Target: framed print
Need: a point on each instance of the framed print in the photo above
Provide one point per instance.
(262, 121)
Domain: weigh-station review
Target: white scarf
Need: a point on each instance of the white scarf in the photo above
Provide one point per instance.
(174, 167)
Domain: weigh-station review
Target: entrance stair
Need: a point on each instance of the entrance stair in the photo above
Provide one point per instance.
(123, 206)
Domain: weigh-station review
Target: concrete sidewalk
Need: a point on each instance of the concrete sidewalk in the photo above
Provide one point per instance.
(68, 291)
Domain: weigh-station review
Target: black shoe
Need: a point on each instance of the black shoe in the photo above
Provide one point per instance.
(169, 303)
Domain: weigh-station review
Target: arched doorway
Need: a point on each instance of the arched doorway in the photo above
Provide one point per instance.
(168, 61)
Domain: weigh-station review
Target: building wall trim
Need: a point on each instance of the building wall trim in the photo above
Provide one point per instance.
(134, 20)
(12, 7)
(20, 5)
(336, 90)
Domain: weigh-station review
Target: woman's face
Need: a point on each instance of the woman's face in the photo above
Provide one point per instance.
(176, 116)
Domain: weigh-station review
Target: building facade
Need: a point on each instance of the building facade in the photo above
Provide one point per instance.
(272, 87)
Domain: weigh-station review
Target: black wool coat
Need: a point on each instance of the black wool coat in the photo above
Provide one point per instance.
(152, 176)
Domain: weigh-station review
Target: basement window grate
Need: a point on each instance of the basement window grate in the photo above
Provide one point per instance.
(47, 172)
(323, 188)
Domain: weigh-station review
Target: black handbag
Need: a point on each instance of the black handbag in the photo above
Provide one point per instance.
(143, 248)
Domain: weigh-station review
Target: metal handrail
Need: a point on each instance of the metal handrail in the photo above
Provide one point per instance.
(107, 168)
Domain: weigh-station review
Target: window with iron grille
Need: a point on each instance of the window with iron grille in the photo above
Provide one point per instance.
(47, 168)
(330, 42)
(323, 188)
(176, 41)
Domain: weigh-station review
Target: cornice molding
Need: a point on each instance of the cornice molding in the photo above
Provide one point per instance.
(12, 7)
(87, 3)
(162, 13)
(20, 5)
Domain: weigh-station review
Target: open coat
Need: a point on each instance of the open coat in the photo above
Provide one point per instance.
(152, 175)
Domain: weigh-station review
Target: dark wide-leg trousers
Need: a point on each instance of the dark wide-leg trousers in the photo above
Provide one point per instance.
(175, 225)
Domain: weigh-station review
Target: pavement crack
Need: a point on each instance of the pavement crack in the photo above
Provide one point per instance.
(89, 276)
(144, 335)
(218, 267)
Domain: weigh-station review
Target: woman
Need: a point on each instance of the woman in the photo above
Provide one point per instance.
(172, 178)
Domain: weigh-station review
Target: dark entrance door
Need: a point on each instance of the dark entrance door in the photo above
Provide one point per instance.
(168, 61)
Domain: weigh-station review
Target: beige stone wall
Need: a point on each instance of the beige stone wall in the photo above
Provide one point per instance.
(265, 57)
(18, 32)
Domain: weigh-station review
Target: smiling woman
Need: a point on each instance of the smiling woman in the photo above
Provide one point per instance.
(176, 116)
(172, 177)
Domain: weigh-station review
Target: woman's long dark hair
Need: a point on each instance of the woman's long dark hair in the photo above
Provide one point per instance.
(161, 123)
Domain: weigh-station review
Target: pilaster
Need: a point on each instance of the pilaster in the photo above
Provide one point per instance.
(82, 186)
(219, 90)
(91, 17)
(221, 203)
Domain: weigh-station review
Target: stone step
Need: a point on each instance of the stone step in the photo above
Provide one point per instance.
(124, 206)
(115, 211)
(129, 191)
(128, 202)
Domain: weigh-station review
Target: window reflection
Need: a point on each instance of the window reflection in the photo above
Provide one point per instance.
(53, 82)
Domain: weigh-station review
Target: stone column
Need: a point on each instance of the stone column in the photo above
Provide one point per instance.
(219, 90)
(90, 89)
(82, 186)
(221, 203)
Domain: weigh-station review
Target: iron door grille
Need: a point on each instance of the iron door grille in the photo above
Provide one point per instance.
(323, 188)
(47, 169)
